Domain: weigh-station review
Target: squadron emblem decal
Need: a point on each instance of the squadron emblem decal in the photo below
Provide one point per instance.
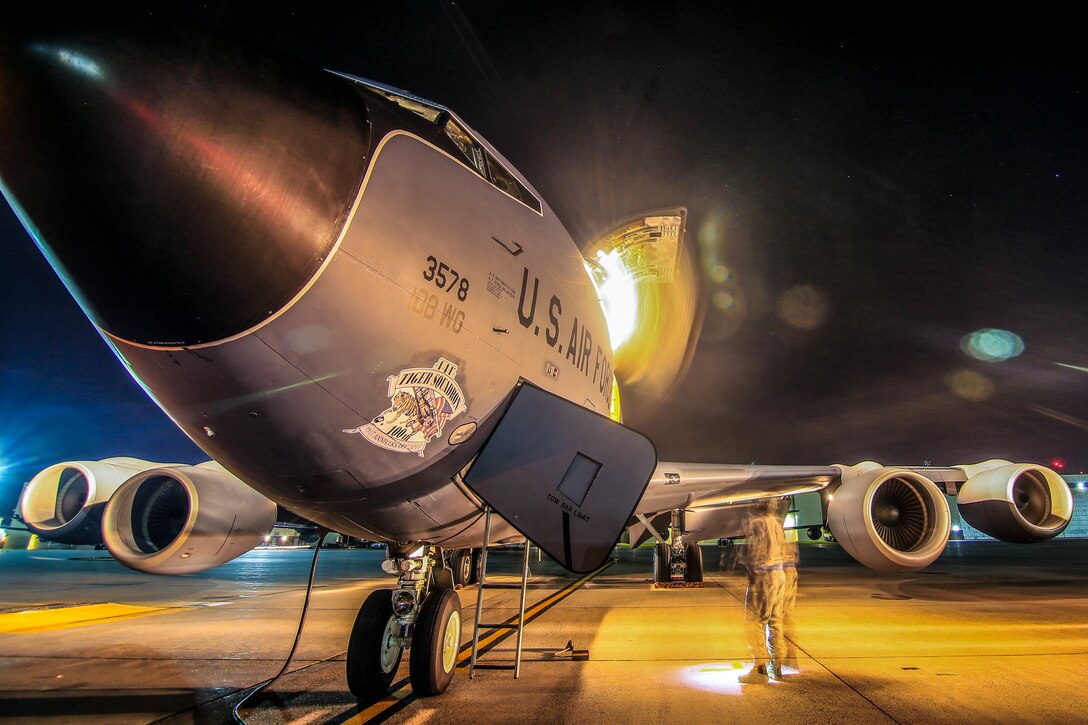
(421, 401)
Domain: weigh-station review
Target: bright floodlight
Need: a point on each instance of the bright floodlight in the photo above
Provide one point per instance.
(616, 290)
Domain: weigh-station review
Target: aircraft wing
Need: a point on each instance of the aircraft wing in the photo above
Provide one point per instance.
(890, 518)
(693, 485)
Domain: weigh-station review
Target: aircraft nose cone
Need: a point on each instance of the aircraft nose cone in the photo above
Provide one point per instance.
(184, 186)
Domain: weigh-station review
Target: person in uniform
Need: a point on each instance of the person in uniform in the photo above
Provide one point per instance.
(789, 602)
(764, 602)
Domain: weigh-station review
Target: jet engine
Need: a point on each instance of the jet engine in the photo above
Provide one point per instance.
(1018, 502)
(184, 519)
(889, 519)
(64, 502)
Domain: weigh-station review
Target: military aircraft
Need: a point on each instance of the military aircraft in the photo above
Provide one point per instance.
(360, 310)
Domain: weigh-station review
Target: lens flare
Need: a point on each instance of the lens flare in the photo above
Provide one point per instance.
(73, 59)
(803, 307)
(970, 385)
(720, 274)
(991, 345)
(616, 289)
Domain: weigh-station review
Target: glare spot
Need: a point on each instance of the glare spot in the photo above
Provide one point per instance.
(311, 338)
(75, 61)
(970, 385)
(721, 274)
(616, 288)
(725, 315)
(723, 677)
(724, 301)
(720, 677)
(992, 345)
(803, 307)
(711, 233)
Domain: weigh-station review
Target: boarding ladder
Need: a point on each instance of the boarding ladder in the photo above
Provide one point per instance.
(478, 625)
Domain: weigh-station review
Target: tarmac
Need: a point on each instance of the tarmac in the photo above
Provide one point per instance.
(990, 633)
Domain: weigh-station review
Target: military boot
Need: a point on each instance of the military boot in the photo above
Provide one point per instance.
(755, 676)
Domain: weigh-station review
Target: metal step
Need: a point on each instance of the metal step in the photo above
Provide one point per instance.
(478, 624)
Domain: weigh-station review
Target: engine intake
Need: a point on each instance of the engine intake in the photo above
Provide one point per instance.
(65, 501)
(184, 520)
(889, 519)
(1017, 502)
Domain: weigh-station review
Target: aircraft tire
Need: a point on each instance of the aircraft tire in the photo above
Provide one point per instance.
(372, 660)
(693, 557)
(463, 564)
(436, 643)
(662, 561)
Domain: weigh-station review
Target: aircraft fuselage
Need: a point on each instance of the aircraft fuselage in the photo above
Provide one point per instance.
(440, 294)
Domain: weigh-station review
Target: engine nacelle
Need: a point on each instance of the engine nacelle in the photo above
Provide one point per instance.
(889, 519)
(1018, 502)
(185, 519)
(65, 501)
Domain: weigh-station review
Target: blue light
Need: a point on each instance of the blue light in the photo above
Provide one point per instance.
(991, 345)
(76, 61)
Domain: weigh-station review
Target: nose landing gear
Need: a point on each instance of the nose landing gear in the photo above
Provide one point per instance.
(437, 642)
(374, 647)
(422, 615)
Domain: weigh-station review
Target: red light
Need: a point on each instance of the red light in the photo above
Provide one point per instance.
(1057, 464)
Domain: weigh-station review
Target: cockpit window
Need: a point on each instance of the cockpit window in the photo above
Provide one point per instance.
(503, 179)
(420, 109)
(468, 146)
(476, 157)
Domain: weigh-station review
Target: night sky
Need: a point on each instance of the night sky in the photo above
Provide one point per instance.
(864, 191)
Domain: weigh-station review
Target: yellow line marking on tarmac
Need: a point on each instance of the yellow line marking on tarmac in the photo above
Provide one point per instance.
(393, 700)
(531, 612)
(46, 620)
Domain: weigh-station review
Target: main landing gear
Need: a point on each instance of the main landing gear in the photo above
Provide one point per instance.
(677, 563)
(465, 565)
(422, 615)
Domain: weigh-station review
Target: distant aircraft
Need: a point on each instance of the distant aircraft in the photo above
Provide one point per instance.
(362, 311)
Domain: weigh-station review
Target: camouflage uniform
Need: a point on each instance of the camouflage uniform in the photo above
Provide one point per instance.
(765, 600)
(788, 605)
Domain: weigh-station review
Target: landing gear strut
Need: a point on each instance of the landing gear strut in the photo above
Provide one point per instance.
(422, 615)
(676, 561)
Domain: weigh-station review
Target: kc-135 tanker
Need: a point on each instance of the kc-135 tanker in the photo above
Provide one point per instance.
(361, 311)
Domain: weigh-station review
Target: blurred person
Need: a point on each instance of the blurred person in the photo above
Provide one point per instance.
(765, 556)
(789, 602)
